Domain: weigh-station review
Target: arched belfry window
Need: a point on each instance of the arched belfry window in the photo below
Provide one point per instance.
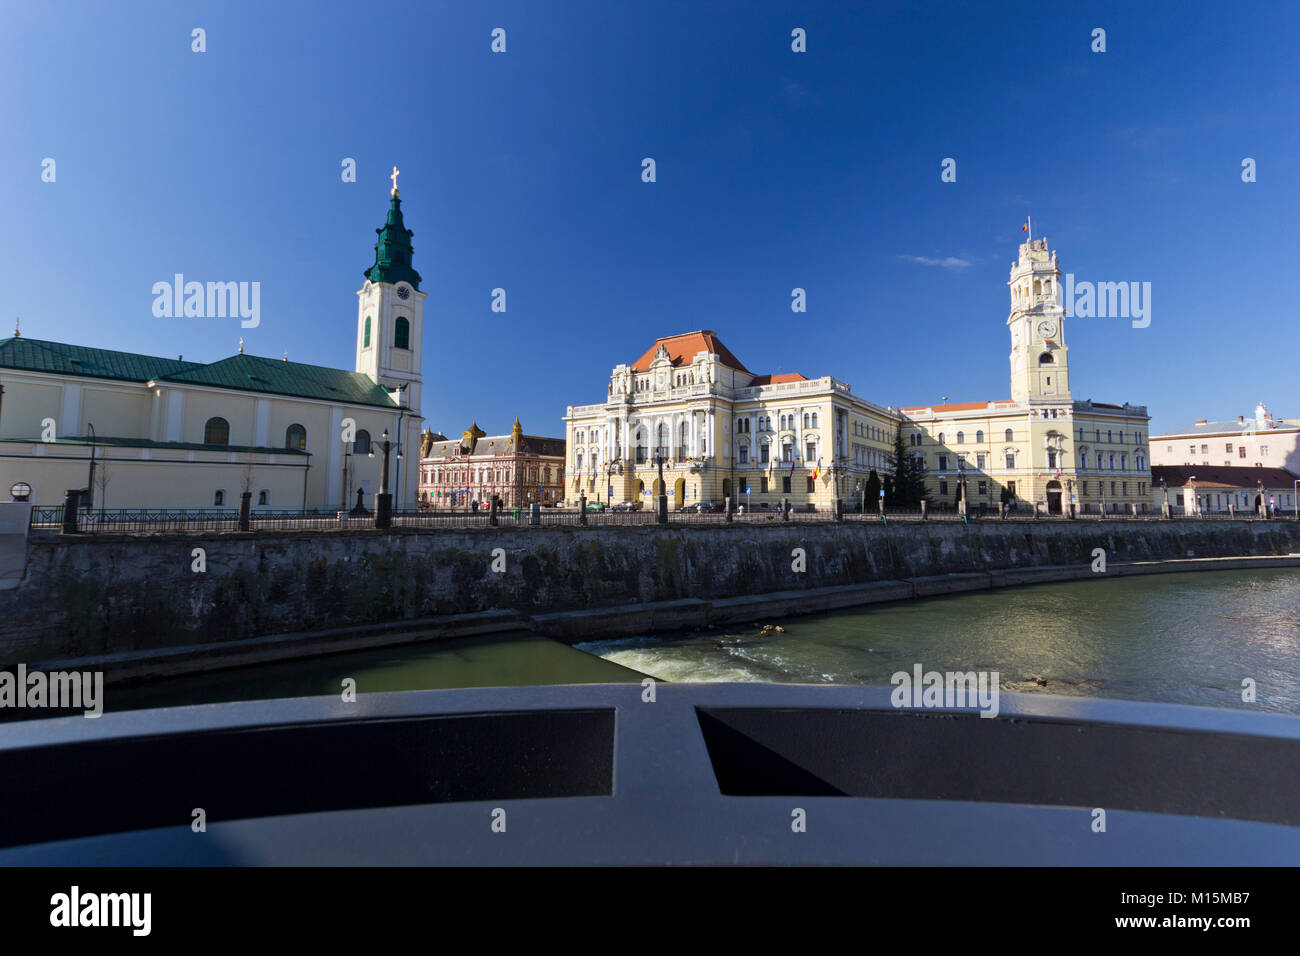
(295, 437)
(216, 432)
(402, 334)
(1046, 359)
(365, 339)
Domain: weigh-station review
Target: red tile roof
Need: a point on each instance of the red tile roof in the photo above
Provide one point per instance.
(959, 407)
(683, 348)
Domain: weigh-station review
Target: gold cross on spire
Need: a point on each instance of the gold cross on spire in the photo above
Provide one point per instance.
(393, 177)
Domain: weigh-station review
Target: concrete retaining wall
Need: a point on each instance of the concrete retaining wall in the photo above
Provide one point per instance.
(100, 594)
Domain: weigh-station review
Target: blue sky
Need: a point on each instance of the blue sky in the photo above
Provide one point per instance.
(775, 170)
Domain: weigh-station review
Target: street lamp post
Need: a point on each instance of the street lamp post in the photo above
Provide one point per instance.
(663, 492)
(384, 500)
(612, 467)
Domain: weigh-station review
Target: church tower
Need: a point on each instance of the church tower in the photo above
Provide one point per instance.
(390, 311)
(1040, 368)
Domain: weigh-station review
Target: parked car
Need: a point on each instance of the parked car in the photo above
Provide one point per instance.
(627, 506)
(595, 506)
(700, 507)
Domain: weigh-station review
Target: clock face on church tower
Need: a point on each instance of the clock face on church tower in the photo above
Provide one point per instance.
(1047, 329)
(403, 292)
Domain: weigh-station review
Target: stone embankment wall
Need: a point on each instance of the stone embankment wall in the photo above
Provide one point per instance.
(99, 594)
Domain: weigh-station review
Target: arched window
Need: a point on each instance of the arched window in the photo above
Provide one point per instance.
(805, 419)
(365, 339)
(295, 437)
(216, 432)
(979, 437)
(661, 445)
(263, 497)
(1046, 359)
(683, 433)
(218, 498)
(402, 334)
(940, 438)
(814, 425)
(362, 444)
(961, 438)
(641, 445)
(1008, 437)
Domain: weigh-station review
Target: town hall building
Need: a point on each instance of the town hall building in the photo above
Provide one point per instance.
(722, 431)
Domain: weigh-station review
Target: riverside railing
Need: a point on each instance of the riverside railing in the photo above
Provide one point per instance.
(174, 521)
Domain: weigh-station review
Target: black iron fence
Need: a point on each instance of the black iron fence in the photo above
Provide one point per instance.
(172, 521)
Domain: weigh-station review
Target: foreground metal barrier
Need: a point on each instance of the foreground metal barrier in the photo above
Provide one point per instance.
(675, 774)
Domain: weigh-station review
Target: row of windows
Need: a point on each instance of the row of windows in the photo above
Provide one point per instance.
(216, 431)
(219, 497)
(489, 476)
(786, 422)
(868, 430)
(1096, 433)
(401, 334)
(1227, 449)
(1052, 458)
(916, 438)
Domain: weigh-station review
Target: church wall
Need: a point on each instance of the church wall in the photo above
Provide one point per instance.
(26, 404)
(117, 412)
(240, 412)
(164, 479)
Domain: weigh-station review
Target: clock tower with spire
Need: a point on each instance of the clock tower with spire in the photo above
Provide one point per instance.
(390, 337)
(1040, 368)
(390, 311)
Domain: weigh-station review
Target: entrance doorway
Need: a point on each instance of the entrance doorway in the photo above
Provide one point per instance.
(726, 488)
(1054, 497)
(679, 493)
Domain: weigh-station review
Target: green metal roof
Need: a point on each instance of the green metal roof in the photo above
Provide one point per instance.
(37, 356)
(245, 373)
(393, 251)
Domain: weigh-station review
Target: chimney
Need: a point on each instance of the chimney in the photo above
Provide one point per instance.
(1200, 421)
(1241, 419)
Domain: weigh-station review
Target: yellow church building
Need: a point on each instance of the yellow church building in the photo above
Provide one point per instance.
(172, 433)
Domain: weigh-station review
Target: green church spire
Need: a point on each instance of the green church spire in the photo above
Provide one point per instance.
(393, 249)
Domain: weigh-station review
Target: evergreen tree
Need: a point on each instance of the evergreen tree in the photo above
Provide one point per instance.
(873, 489)
(909, 477)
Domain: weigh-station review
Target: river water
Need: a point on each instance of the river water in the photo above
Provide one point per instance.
(1179, 638)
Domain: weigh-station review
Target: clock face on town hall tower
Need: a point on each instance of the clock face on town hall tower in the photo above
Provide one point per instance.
(1039, 355)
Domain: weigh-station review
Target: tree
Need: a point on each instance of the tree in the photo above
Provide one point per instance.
(873, 489)
(909, 477)
(103, 476)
